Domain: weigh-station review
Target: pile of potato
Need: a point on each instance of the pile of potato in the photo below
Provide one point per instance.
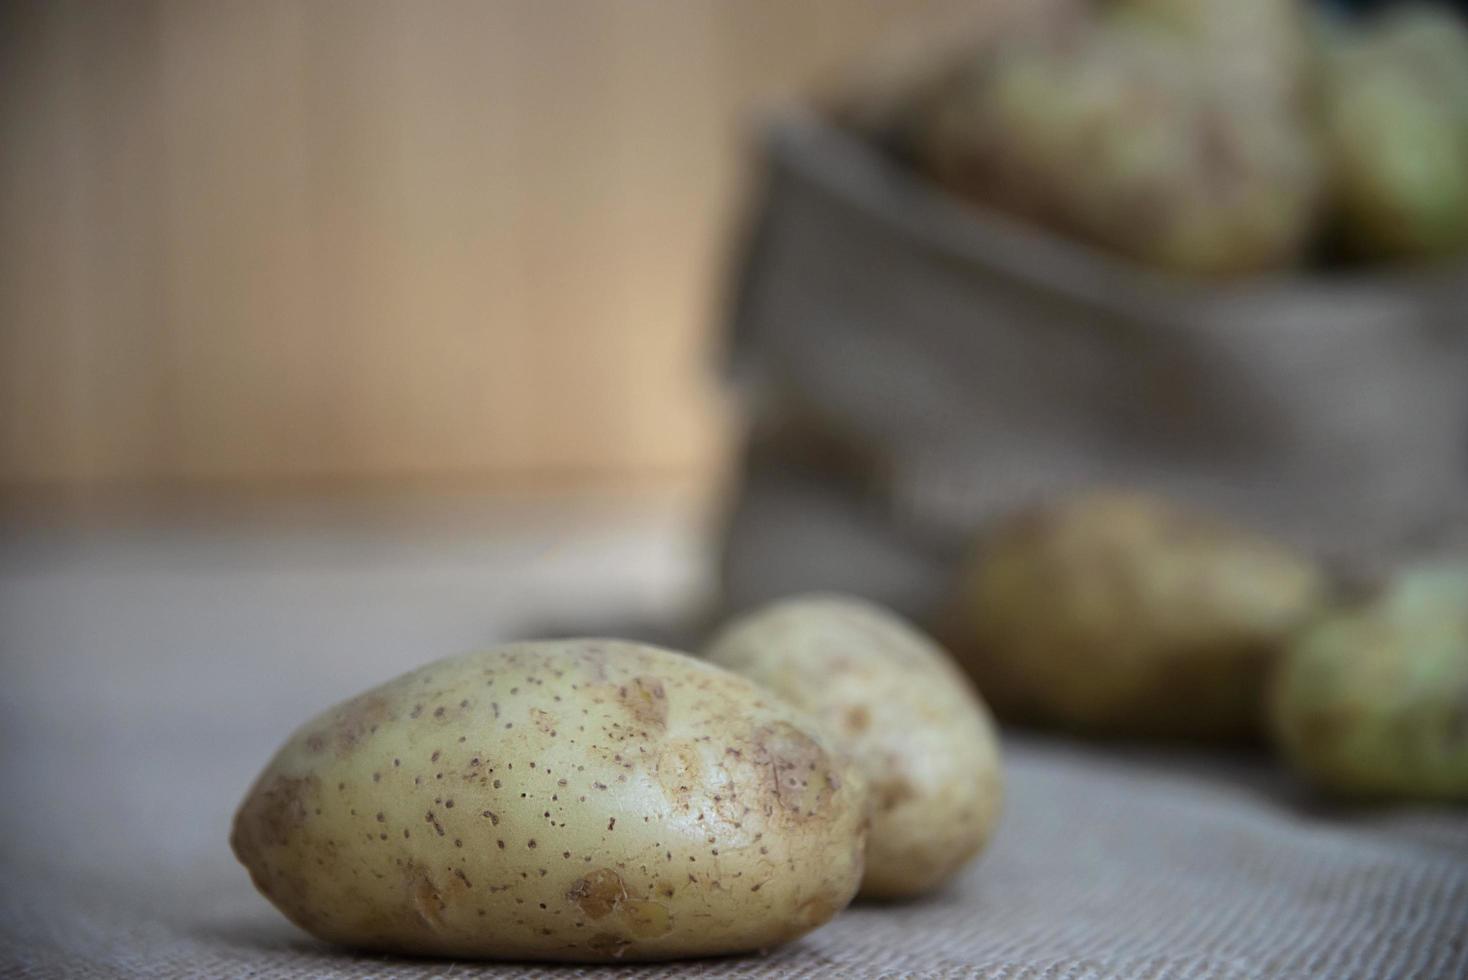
(600, 800)
(596, 799)
(1120, 614)
(1194, 136)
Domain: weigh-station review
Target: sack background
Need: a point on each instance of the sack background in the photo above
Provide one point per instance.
(916, 369)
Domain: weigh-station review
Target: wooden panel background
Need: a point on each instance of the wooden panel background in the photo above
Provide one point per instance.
(363, 241)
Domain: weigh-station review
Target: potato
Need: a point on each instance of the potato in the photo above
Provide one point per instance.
(1118, 134)
(895, 700)
(582, 800)
(1373, 699)
(1118, 613)
(1395, 124)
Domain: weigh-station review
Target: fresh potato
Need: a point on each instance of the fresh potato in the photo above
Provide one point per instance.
(1121, 134)
(1373, 699)
(1117, 613)
(1395, 106)
(901, 707)
(568, 800)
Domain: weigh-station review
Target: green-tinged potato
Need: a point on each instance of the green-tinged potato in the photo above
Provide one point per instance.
(900, 706)
(1396, 131)
(1117, 136)
(1373, 699)
(565, 800)
(1117, 613)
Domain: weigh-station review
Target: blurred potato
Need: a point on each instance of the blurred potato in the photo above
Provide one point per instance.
(1373, 699)
(1395, 125)
(1114, 135)
(1120, 614)
(895, 701)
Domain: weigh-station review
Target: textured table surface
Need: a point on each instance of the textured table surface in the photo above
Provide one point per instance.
(146, 675)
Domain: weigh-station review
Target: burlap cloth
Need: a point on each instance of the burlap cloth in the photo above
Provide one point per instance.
(145, 678)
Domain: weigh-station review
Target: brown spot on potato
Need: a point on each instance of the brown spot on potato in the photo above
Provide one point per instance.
(607, 944)
(647, 920)
(646, 701)
(892, 793)
(858, 719)
(801, 777)
(598, 894)
(679, 770)
(273, 812)
(424, 899)
(602, 893)
(544, 720)
(357, 719)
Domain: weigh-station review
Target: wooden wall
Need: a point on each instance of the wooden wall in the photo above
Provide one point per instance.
(266, 241)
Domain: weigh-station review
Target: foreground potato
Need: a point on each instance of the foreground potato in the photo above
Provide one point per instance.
(1373, 700)
(903, 709)
(571, 800)
(1116, 613)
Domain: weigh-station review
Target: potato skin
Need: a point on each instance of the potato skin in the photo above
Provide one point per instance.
(896, 701)
(584, 800)
(1372, 700)
(1118, 613)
